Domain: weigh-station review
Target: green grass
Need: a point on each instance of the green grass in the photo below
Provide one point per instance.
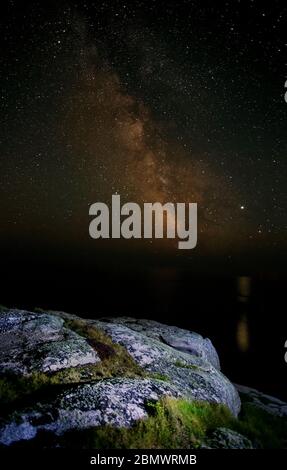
(172, 424)
(115, 359)
(263, 429)
(183, 424)
(115, 362)
(13, 387)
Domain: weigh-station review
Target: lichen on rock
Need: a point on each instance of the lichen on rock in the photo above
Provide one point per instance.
(61, 374)
(116, 402)
(224, 438)
(192, 374)
(32, 342)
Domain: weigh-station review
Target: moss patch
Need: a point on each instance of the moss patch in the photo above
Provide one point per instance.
(13, 387)
(158, 376)
(172, 424)
(262, 428)
(186, 366)
(183, 424)
(115, 362)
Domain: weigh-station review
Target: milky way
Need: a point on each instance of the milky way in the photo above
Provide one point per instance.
(154, 103)
(126, 153)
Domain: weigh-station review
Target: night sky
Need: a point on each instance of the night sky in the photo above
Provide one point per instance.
(169, 101)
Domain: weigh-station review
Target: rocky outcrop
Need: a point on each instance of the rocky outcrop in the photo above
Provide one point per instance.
(189, 370)
(265, 402)
(177, 338)
(33, 342)
(223, 438)
(73, 374)
(117, 402)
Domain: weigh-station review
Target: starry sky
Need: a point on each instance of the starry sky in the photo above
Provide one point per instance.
(169, 101)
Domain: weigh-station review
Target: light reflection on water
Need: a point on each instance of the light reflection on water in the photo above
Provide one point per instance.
(243, 297)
